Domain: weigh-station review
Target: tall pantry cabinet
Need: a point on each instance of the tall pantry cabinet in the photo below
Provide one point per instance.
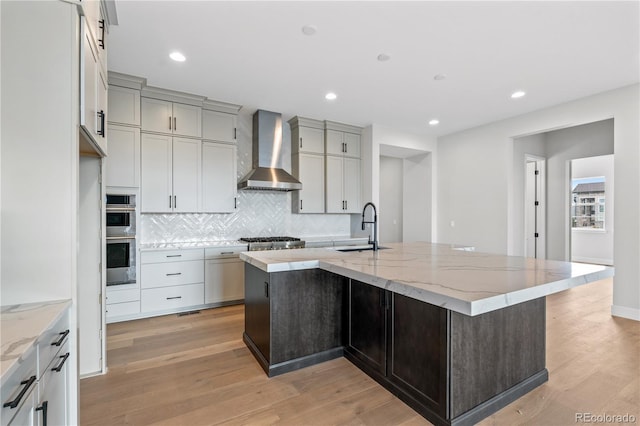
(40, 73)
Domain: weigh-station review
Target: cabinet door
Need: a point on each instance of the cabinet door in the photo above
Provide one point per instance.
(218, 126)
(187, 173)
(257, 309)
(334, 179)
(311, 140)
(156, 116)
(219, 185)
(352, 145)
(25, 414)
(352, 185)
(123, 162)
(54, 391)
(223, 280)
(418, 351)
(335, 142)
(124, 106)
(89, 83)
(102, 91)
(155, 174)
(187, 120)
(311, 174)
(367, 339)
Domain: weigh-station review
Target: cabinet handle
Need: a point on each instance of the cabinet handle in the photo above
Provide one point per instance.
(266, 289)
(43, 408)
(169, 122)
(300, 142)
(59, 367)
(175, 126)
(226, 252)
(101, 40)
(63, 335)
(174, 297)
(27, 384)
(235, 202)
(175, 202)
(300, 204)
(173, 255)
(235, 133)
(174, 273)
(345, 148)
(169, 201)
(101, 116)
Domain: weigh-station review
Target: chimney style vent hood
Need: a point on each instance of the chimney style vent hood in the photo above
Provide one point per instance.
(268, 154)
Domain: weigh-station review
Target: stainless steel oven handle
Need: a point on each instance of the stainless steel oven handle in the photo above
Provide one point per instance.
(120, 209)
(123, 237)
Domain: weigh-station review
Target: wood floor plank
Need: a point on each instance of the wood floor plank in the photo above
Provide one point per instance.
(195, 370)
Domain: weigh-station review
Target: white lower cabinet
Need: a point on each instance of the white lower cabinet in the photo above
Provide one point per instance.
(223, 275)
(171, 280)
(38, 392)
(122, 302)
(174, 297)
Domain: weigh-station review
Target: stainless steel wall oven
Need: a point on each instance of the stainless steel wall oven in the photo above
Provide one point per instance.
(121, 239)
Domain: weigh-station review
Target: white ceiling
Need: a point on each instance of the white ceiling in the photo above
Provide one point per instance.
(255, 54)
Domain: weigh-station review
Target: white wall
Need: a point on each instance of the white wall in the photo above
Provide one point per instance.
(391, 191)
(419, 181)
(483, 158)
(595, 245)
(39, 151)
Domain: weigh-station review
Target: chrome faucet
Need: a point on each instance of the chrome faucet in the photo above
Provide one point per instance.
(374, 222)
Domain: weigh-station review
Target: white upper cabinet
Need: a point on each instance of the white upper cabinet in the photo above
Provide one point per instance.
(171, 118)
(124, 106)
(93, 92)
(310, 140)
(219, 126)
(170, 174)
(343, 143)
(309, 169)
(123, 163)
(219, 182)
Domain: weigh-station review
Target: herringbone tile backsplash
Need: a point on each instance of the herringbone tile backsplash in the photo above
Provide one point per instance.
(260, 213)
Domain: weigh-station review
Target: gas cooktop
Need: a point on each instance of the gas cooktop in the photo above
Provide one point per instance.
(273, 243)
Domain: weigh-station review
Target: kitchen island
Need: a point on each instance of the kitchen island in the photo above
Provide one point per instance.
(455, 334)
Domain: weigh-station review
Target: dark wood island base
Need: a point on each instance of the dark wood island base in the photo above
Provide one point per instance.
(452, 368)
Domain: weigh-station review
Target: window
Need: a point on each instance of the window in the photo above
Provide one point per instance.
(588, 205)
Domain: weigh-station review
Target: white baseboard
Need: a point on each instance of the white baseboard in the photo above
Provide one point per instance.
(625, 312)
(597, 261)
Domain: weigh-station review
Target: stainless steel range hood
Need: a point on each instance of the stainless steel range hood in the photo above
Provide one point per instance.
(269, 150)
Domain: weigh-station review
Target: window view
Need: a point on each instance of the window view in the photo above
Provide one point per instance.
(587, 206)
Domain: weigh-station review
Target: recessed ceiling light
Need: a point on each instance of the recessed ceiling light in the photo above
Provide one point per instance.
(434, 122)
(518, 94)
(177, 56)
(383, 57)
(309, 30)
(439, 77)
(330, 96)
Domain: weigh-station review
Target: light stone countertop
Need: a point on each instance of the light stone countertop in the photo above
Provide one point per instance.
(20, 327)
(467, 282)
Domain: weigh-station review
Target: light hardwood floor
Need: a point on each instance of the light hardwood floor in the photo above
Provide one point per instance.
(195, 370)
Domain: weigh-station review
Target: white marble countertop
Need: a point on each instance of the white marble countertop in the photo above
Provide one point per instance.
(468, 282)
(20, 327)
(237, 243)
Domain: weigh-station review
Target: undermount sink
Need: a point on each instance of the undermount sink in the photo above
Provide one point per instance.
(359, 248)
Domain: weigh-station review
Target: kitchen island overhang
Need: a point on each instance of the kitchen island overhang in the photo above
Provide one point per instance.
(455, 334)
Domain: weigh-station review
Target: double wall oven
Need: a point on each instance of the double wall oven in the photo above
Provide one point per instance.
(121, 239)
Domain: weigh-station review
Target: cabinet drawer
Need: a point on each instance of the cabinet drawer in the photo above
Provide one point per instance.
(121, 296)
(229, 251)
(12, 387)
(120, 309)
(160, 299)
(172, 273)
(51, 341)
(170, 255)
